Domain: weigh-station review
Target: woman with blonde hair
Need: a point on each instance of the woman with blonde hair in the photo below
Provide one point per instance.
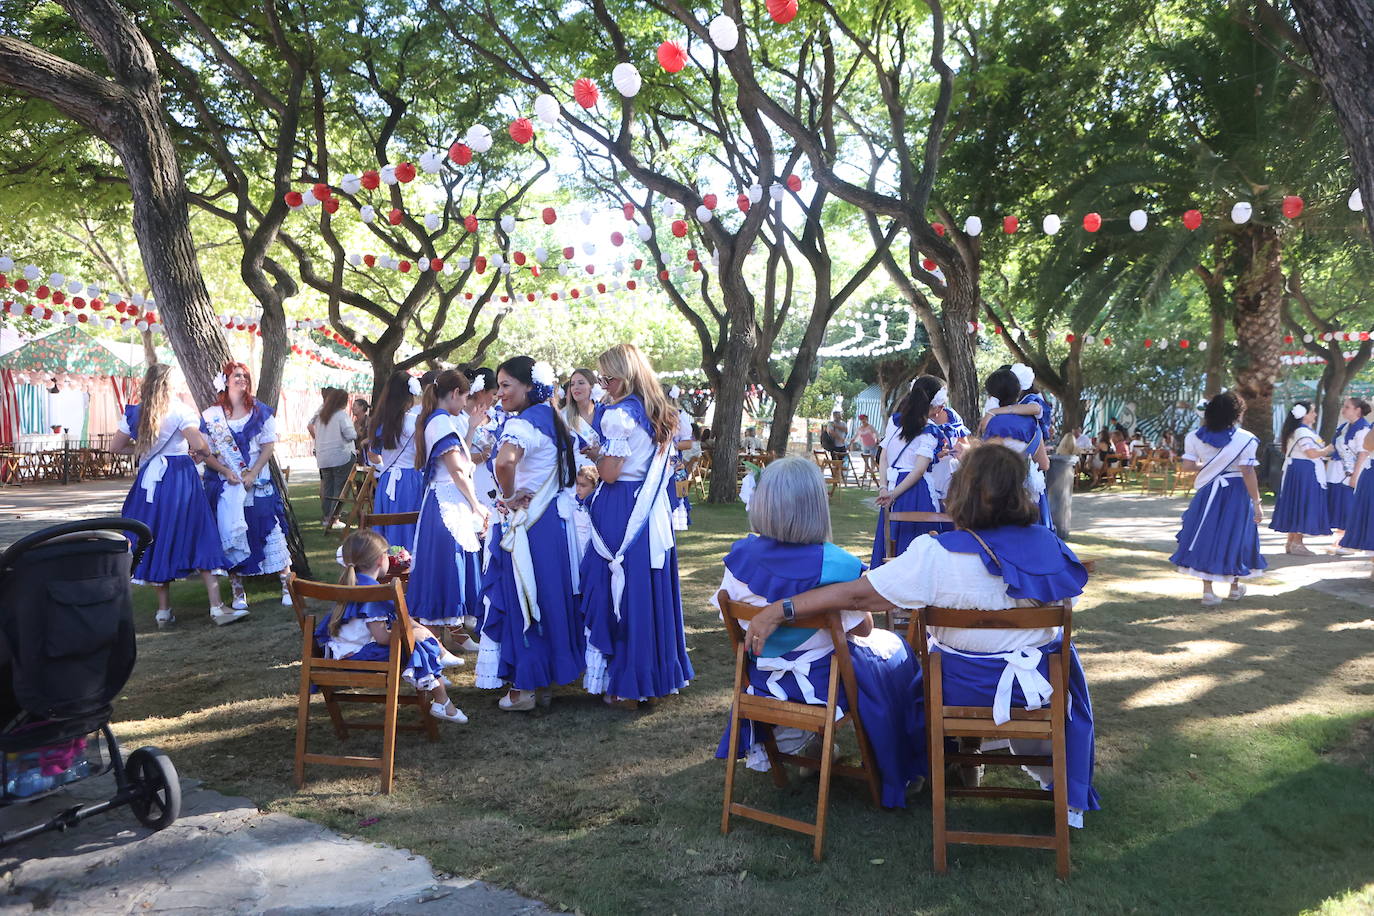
(636, 648)
(168, 497)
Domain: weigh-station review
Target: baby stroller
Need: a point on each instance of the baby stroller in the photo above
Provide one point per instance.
(66, 651)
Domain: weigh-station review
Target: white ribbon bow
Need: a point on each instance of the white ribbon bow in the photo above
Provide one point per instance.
(515, 540)
(799, 668)
(653, 495)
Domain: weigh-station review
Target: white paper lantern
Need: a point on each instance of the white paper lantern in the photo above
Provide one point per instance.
(107, 323)
(69, 318)
(645, 233)
(1202, 345)
(6, 264)
(619, 265)
(56, 280)
(755, 193)
(504, 269)
(1051, 224)
(138, 300)
(141, 325)
(464, 262)
(423, 264)
(1139, 219)
(31, 272)
(704, 213)
(125, 324)
(74, 287)
(973, 226)
(626, 79)
(388, 173)
(355, 259)
(586, 216)
(563, 269)
(589, 248)
(507, 223)
(431, 221)
(1240, 212)
(92, 292)
(431, 161)
(367, 213)
(498, 259)
(546, 109)
(1307, 338)
(350, 184)
(724, 33)
(776, 190)
(478, 138)
(1356, 201)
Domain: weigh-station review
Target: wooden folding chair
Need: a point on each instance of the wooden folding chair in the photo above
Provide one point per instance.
(340, 680)
(355, 500)
(380, 519)
(976, 722)
(891, 518)
(767, 712)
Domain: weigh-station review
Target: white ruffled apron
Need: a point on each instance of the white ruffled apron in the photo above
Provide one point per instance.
(515, 540)
(229, 514)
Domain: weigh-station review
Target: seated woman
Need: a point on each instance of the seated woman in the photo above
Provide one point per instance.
(997, 558)
(790, 554)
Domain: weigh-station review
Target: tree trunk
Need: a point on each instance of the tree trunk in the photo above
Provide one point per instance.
(275, 349)
(1070, 393)
(1215, 373)
(1332, 393)
(725, 428)
(1258, 300)
(1340, 37)
(784, 410)
(959, 307)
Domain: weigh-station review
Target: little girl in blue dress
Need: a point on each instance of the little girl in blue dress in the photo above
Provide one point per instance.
(1021, 433)
(790, 554)
(915, 466)
(1301, 507)
(445, 576)
(532, 630)
(168, 497)
(400, 484)
(1219, 540)
(365, 632)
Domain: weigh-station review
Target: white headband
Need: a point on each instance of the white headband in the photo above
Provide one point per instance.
(1298, 411)
(1024, 374)
(941, 398)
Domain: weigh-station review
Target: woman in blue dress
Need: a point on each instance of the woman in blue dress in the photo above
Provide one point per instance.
(400, 484)
(913, 449)
(636, 645)
(168, 496)
(579, 407)
(1021, 433)
(1219, 540)
(1340, 493)
(445, 573)
(1301, 506)
(791, 553)
(241, 433)
(532, 631)
(683, 440)
(1359, 523)
(997, 558)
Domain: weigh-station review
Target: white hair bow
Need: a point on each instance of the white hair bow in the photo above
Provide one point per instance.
(991, 404)
(413, 386)
(478, 384)
(941, 398)
(1298, 411)
(1024, 374)
(541, 373)
(221, 383)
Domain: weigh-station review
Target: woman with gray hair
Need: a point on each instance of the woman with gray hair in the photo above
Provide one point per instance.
(791, 553)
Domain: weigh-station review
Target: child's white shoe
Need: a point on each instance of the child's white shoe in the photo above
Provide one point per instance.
(468, 644)
(285, 597)
(440, 711)
(222, 617)
(1211, 600)
(449, 660)
(240, 603)
(165, 619)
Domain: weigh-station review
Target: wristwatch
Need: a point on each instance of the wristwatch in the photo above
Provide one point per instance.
(789, 610)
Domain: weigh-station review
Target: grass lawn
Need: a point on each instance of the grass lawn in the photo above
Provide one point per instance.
(1233, 759)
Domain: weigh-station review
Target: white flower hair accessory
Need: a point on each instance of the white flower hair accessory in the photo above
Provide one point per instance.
(221, 383)
(478, 384)
(991, 404)
(675, 392)
(1024, 374)
(941, 398)
(544, 379)
(414, 387)
(1298, 411)
(598, 393)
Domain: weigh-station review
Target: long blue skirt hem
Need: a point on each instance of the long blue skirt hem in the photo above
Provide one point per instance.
(1359, 524)
(410, 492)
(1219, 538)
(445, 580)
(185, 536)
(1301, 507)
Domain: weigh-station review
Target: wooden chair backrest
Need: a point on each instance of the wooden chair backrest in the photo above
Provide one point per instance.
(1020, 618)
(890, 540)
(375, 519)
(393, 591)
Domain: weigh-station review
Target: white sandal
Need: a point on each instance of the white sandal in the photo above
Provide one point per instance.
(221, 617)
(165, 619)
(440, 711)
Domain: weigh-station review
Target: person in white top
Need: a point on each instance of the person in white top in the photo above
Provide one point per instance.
(1301, 508)
(168, 497)
(579, 408)
(334, 435)
(391, 452)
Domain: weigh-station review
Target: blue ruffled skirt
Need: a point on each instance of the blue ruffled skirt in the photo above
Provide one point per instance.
(1359, 524)
(917, 499)
(973, 682)
(1219, 539)
(422, 670)
(410, 492)
(891, 704)
(1301, 507)
(185, 536)
(266, 519)
(1340, 499)
(645, 651)
(553, 650)
(445, 580)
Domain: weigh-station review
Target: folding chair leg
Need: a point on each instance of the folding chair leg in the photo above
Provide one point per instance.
(303, 710)
(823, 798)
(935, 730)
(393, 692)
(1059, 704)
(730, 760)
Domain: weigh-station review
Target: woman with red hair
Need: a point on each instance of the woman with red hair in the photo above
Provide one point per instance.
(241, 434)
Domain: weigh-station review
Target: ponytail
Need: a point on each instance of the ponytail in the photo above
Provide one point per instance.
(365, 548)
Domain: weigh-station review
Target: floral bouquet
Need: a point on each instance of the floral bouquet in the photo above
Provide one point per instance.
(397, 560)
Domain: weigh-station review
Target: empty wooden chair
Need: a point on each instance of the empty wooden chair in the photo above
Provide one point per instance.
(891, 518)
(345, 681)
(977, 722)
(766, 712)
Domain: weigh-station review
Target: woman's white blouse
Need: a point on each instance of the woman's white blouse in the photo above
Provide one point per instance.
(1199, 452)
(624, 438)
(928, 575)
(738, 591)
(403, 455)
(540, 458)
(900, 455)
(170, 440)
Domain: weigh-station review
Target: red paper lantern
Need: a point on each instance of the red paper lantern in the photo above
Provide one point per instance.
(467, 296)
(663, 276)
(82, 317)
(710, 201)
(404, 267)
(680, 228)
(630, 284)
(927, 264)
(294, 199)
(405, 172)
(553, 296)
(782, 11)
(1149, 343)
(41, 292)
(1092, 222)
(1010, 224)
(1069, 338)
(1192, 219)
(97, 305)
(696, 267)
(521, 130)
(28, 310)
(575, 293)
(1106, 341)
(4, 281)
(535, 271)
(617, 239)
(1183, 344)
(518, 258)
(21, 285)
(331, 205)
(568, 253)
(639, 263)
(58, 297)
(460, 153)
(550, 216)
(436, 264)
(938, 227)
(480, 263)
(321, 191)
(47, 314)
(585, 92)
(470, 222)
(1364, 335)
(672, 57)
(590, 268)
(529, 296)
(1292, 206)
(370, 260)
(794, 183)
(629, 210)
(601, 287)
(743, 203)
(77, 302)
(394, 217)
(691, 254)
(370, 179)
(1288, 338)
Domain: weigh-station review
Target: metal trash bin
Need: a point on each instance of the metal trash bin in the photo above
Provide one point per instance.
(1059, 492)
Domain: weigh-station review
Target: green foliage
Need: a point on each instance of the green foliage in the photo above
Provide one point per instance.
(832, 380)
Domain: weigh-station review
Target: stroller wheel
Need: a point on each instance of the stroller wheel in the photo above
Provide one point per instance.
(154, 779)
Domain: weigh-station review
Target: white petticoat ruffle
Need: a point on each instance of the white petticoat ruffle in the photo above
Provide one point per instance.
(488, 665)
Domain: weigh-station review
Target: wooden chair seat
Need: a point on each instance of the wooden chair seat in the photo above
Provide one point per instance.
(343, 681)
(768, 712)
(977, 722)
